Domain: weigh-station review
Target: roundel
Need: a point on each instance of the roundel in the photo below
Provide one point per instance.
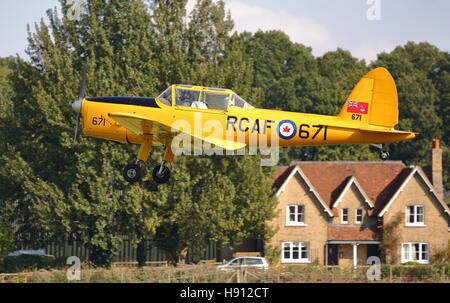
(287, 129)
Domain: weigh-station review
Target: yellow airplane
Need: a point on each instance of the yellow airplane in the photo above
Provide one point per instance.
(220, 118)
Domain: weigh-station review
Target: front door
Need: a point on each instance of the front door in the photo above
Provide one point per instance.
(372, 250)
(333, 254)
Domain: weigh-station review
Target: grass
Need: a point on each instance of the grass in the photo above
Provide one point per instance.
(207, 273)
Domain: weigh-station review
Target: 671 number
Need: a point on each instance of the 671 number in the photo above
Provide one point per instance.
(99, 121)
(356, 117)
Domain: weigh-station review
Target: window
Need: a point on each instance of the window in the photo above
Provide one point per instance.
(186, 97)
(359, 215)
(344, 216)
(295, 215)
(166, 96)
(236, 262)
(415, 215)
(295, 252)
(252, 261)
(415, 252)
(239, 102)
(215, 100)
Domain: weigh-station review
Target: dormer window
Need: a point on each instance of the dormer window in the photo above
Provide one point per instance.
(415, 215)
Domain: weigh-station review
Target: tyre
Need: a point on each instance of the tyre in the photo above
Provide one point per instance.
(162, 177)
(132, 173)
(384, 155)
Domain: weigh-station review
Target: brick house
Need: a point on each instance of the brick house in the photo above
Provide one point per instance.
(334, 213)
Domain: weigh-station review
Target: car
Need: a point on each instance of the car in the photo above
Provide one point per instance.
(244, 262)
(38, 252)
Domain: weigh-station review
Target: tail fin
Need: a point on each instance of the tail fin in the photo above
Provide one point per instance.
(374, 100)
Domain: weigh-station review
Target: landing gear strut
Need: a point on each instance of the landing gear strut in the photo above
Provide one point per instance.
(134, 172)
(161, 173)
(384, 155)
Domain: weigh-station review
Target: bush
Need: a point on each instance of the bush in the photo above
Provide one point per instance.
(414, 271)
(6, 239)
(272, 254)
(13, 264)
(442, 255)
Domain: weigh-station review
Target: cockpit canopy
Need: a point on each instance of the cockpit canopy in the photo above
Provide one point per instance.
(201, 97)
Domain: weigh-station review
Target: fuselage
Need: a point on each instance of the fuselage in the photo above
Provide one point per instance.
(249, 125)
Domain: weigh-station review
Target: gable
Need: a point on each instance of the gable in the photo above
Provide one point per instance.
(353, 192)
(298, 177)
(416, 187)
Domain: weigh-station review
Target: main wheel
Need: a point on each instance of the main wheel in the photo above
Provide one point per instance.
(132, 173)
(384, 155)
(161, 176)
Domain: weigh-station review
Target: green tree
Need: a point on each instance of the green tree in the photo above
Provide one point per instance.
(169, 43)
(223, 200)
(207, 35)
(5, 88)
(76, 189)
(6, 239)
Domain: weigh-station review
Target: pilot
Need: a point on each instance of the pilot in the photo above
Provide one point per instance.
(199, 104)
(186, 98)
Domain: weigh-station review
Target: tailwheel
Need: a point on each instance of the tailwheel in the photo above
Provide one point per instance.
(384, 155)
(132, 172)
(161, 173)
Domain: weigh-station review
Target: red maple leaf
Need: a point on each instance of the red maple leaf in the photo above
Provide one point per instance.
(286, 129)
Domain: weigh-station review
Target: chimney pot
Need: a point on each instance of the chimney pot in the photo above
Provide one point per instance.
(436, 143)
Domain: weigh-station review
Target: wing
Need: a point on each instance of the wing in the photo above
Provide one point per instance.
(163, 133)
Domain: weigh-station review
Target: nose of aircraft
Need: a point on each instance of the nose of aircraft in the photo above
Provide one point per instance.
(76, 105)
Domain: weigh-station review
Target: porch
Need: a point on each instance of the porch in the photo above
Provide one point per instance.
(350, 253)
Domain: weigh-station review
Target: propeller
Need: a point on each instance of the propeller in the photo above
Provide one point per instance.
(76, 105)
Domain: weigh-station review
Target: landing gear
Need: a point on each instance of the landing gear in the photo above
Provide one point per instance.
(384, 155)
(132, 172)
(161, 173)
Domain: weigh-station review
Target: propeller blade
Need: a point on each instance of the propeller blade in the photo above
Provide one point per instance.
(77, 125)
(83, 83)
(81, 95)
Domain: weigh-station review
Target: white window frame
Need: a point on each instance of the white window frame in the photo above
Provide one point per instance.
(301, 246)
(342, 216)
(409, 254)
(356, 215)
(296, 213)
(416, 216)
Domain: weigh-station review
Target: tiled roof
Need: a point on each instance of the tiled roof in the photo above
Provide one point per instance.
(352, 233)
(281, 175)
(379, 180)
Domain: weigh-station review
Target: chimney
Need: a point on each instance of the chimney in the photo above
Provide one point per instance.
(436, 168)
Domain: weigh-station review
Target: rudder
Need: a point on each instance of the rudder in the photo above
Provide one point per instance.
(373, 100)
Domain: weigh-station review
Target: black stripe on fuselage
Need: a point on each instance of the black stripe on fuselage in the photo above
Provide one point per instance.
(138, 101)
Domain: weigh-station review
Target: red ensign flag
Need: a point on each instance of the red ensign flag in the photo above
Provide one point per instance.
(357, 107)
